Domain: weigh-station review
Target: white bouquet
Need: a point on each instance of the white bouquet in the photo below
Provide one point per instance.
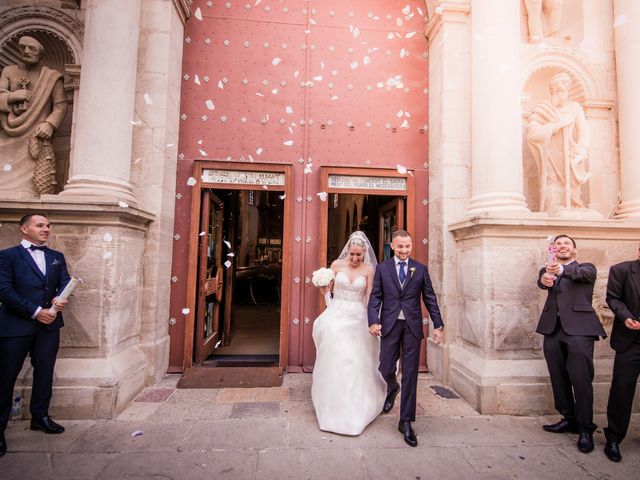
(322, 278)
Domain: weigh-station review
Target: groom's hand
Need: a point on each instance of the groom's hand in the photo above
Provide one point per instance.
(438, 336)
(375, 329)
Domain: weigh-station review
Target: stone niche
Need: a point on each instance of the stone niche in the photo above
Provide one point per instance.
(60, 32)
(101, 365)
(496, 361)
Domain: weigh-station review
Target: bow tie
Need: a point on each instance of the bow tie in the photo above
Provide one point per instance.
(38, 247)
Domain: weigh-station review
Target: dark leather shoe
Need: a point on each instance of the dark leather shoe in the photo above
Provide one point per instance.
(585, 442)
(46, 424)
(408, 434)
(390, 400)
(3, 445)
(561, 427)
(612, 451)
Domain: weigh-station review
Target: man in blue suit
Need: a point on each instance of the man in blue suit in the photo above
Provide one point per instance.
(31, 277)
(395, 314)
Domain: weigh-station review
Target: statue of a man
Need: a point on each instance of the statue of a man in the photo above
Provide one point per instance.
(551, 11)
(32, 106)
(559, 139)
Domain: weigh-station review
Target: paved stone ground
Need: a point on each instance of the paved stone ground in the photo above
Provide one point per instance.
(271, 433)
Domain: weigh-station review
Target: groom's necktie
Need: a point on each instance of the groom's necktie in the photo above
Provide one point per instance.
(401, 274)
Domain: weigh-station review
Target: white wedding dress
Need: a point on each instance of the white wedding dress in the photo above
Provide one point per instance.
(348, 392)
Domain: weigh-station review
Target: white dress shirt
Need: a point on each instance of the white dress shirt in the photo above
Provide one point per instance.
(38, 257)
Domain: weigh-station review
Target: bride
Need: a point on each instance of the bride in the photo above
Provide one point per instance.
(347, 391)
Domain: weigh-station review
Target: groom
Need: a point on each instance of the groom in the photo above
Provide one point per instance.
(395, 314)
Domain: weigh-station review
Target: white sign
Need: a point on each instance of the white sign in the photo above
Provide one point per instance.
(242, 178)
(368, 183)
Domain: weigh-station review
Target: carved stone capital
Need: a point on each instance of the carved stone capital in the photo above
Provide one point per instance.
(446, 12)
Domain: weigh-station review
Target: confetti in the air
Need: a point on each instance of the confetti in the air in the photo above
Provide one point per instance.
(259, 151)
(307, 169)
(198, 14)
(354, 65)
(7, 167)
(401, 169)
(196, 80)
(322, 196)
(191, 181)
(209, 104)
(107, 237)
(406, 10)
(288, 143)
(220, 85)
(227, 243)
(185, 311)
(147, 99)
(227, 263)
(136, 122)
(276, 61)
(122, 204)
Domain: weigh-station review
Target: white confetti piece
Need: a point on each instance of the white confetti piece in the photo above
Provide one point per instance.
(198, 14)
(191, 181)
(276, 61)
(199, 142)
(296, 74)
(137, 160)
(202, 234)
(288, 109)
(318, 78)
(227, 264)
(400, 114)
(439, 10)
(356, 32)
(220, 85)
(321, 65)
(185, 311)
(265, 187)
(403, 53)
(366, 61)
(7, 167)
(227, 243)
(147, 99)
(312, 21)
(136, 122)
(307, 169)
(259, 151)
(391, 36)
(196, 80)
(334, 98)
(282, 197)
(406, 10)
(420, 11)
(322, 196)
(209, 104)
(202, 152)
(288, 143)
(122, 204)
(410, 34)
(399, 22)
(354, 65)
(401, 169)
(107, 237)
(405, 124)
(619, 21)
(260, 94)
(274, 91)
(231, 254)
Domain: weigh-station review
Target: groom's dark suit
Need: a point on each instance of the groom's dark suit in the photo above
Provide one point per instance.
(23, 288)
(388, 298)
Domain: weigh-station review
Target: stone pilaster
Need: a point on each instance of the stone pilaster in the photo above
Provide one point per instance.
(496, 131)
(103, 129)
(627, 47)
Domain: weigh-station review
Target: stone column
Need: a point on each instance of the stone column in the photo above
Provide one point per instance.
(627, 45)
(496, 128)
(101, 157)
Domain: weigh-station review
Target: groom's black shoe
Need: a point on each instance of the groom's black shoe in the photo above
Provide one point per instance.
(562, 426)
(408, 433)
(390, 400)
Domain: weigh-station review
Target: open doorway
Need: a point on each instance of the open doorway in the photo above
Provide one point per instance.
(378, 216)
(239, 277)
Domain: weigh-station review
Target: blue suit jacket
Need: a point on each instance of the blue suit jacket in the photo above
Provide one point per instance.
(23, 288)
(387, 298)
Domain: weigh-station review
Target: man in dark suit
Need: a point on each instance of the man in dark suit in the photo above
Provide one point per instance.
(31, 277)
(570, 326)
(395, 314)
(623, 297)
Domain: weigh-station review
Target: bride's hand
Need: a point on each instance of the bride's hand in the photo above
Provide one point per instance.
(324, 290)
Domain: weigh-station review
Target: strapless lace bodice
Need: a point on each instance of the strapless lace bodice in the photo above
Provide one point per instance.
(343, 289)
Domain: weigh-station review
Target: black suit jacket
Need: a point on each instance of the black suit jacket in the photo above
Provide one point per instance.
(623, 298)
(387, 298)
(23, 288)
(570, 299)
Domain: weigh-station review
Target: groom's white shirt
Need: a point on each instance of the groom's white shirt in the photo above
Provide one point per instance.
(397, 262)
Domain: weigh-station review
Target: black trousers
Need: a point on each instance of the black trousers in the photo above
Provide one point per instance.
(626, 368)
(570, 363)
(390, 344)
(43, 348)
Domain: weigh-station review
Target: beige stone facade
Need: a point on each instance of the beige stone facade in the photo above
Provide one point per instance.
(117, 160)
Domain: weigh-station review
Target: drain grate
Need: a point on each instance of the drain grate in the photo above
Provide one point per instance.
(444, 392)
